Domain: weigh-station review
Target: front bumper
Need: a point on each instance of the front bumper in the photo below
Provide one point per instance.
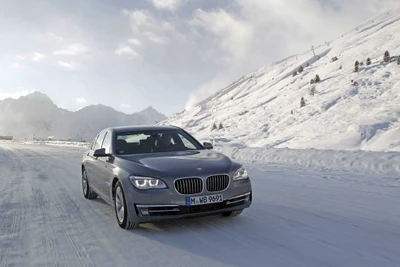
(148, 213)
(162, 204)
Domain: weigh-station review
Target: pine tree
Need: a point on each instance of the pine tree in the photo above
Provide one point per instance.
(386, 56)
(368, 61)
(398, 61)
(294, 73)
(220, 126)
(214, 127)
(356, 66)
(301, 69)
(302, 102)
(317, 79)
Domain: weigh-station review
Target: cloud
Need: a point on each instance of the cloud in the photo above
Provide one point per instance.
(19, 57)
(125, 106)
(15, 65)
(126, 50)
(38, 57)
(55, 36)
(230, 33)
(148, 29)
(73, 49)
(17, 94)
(81, 100)
(134, 41)
(67, 65)
(167, 4)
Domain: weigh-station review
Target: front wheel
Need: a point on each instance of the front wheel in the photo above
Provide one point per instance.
(232, 213)
(121, 210)
(88, 193)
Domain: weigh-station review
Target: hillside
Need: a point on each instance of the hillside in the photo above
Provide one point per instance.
(349, 110)
(36, 116)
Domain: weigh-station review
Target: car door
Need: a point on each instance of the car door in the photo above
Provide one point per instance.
(88, 157)
(93, 171)
(104, 167)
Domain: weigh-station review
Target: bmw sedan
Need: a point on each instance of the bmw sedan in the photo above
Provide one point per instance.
(150, 173)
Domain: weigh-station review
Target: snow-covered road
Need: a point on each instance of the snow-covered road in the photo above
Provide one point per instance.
(299, 217)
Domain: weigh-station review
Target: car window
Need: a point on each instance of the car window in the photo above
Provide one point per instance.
(186, 142)
(107, 143)
(99, 141)
(153, 141)
(93, 143)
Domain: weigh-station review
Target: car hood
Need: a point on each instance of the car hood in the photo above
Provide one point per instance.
(179, 163)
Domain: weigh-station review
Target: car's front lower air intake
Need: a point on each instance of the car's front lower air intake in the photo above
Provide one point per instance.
(187, 186)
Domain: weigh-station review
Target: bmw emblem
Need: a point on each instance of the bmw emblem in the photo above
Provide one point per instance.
(199, 169)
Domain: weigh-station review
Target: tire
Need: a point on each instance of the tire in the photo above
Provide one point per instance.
(232, 213)
(87, 191)
(121, 212)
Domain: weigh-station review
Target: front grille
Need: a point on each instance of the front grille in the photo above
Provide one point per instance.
(217, 183)
(189, 186)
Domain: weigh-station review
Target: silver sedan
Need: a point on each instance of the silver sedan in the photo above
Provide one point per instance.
(150, 173)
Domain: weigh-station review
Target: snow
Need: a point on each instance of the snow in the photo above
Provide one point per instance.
(325, 178)
(356, 161)
(300, 216)
(262, 109)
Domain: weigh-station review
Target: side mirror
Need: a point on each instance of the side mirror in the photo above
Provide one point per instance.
(101, 152)
(207, 145)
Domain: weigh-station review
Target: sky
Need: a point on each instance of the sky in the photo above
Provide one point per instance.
(168, 54)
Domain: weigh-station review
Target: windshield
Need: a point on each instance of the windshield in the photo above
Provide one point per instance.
(154, 141)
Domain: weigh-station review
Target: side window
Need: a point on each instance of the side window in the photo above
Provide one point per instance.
(99, 141)
(107, 142)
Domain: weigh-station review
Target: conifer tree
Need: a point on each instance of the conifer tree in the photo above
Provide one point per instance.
(302, 102)
(386, 56)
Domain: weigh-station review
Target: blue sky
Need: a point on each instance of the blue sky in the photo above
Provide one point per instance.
(165, 53)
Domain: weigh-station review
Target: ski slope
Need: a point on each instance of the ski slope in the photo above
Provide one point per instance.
(300, 217)
(262, 109)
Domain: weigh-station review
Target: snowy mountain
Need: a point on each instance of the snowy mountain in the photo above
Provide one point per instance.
(348, 111)
(36, 116)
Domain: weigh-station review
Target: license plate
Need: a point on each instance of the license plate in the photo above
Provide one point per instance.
(201, 200)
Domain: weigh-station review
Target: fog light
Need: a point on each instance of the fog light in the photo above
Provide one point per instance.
(144, 212)
(246, 198)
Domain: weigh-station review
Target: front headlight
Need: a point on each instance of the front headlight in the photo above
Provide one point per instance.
(146, 182)
(240, 174)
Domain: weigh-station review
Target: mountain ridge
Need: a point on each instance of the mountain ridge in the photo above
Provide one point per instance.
(348, 110)
(18, 120)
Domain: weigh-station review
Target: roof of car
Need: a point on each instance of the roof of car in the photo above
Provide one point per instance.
(130, 128)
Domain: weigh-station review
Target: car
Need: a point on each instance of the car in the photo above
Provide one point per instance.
(152, 173)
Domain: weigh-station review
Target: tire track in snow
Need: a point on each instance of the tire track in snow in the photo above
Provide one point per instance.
(52, 214)
(11, 219)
